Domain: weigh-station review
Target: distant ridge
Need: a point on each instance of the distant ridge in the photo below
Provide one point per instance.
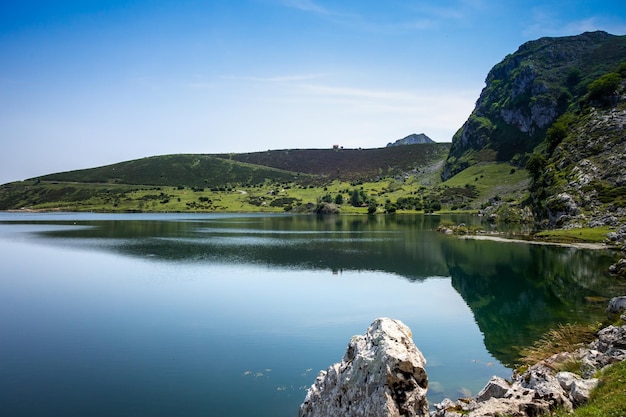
(413, 139)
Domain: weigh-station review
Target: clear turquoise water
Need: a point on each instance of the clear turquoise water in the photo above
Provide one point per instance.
(234, 315)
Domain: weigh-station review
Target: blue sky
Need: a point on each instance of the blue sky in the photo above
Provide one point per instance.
(89, 83)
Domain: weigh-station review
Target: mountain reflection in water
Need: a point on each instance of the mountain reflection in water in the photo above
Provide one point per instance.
(146, 312)
(516, 291)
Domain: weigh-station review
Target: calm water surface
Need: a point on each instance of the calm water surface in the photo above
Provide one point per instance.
(234, 315)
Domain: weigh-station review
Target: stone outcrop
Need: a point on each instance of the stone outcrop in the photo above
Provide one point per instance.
(381, 375)
(541, 389)
(413, 139)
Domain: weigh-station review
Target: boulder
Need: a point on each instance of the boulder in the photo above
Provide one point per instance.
(618, 268)
(496, 388)
(381, 375)
(616, 305)
(579, 389)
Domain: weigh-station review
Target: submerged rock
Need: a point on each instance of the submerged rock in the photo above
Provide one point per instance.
(381, 375)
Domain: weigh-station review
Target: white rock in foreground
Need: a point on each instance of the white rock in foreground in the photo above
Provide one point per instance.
(381, 375)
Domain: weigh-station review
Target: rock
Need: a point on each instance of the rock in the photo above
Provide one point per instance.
(579, 389)
(617, 304)
(604, 220)
(542, 380)
(618, 268)
(566, 379)
(612, 342)
(496, 388)
(381, 375)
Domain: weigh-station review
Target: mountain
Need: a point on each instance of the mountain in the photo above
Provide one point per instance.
(527, 92)
(412, 139)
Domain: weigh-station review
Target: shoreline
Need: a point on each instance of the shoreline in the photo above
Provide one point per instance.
(579, 245)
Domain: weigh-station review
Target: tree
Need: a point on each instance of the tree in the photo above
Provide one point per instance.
(535, 165)
(339, 199)
(355, 198)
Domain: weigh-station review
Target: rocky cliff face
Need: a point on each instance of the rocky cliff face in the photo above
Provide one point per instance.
(381, 375)
(588, 165)
(527, 92)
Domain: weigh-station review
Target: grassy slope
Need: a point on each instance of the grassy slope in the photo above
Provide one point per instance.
(491, 180)
(173, 170)
(261, 198)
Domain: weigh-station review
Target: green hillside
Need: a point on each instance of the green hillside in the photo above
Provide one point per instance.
(174, 170)
(262, 181)
(528, 91)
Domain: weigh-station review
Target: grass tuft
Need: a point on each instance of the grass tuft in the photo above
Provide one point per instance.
(565, 338)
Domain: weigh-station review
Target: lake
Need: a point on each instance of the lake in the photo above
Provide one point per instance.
(234, 315)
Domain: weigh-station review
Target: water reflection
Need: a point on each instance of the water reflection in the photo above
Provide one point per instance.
(515, 291)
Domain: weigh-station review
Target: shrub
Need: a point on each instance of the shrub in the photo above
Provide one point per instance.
(558, 131)
(604, 86)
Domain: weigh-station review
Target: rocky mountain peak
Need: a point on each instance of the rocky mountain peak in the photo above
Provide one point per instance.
(412, 139)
